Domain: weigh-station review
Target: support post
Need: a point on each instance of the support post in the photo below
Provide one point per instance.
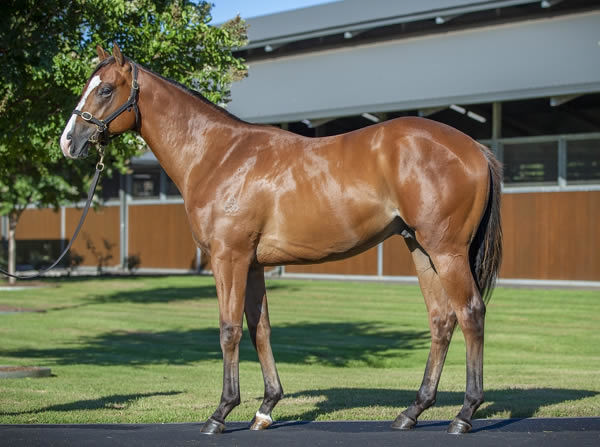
(562, 162)
(162, 195)
(497, 128)
(123, 220)
(380, 259)
(12, 247)
(198, 260)
(63, 227)
(4, 236)
(497, 147)
(4, 227)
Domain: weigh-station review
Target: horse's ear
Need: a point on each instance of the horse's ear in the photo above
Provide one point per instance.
(117, 54)
(102, 54)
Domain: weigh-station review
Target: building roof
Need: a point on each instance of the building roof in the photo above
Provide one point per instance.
(520, 59)
(357, 15)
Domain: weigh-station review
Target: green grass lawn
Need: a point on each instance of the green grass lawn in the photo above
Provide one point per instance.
(146, 349)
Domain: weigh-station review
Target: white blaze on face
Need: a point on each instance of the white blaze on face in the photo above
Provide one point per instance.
(64, 143)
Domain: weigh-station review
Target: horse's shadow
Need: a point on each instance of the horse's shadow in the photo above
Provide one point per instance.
(506, 403)
(362, 342)
(516, 403)
(145, 295)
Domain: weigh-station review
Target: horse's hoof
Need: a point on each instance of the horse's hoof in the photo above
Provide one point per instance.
(403, 422)
(459, 426)
(212, 427)
(261, 422)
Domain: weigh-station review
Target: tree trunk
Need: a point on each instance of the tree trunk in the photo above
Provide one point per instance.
(12, 246)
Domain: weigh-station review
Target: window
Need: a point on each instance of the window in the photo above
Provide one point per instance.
(531, 163)
(473, 119)
(110, 187)
(583, 161)
(529, 117)
(145, 183)
(171, 188)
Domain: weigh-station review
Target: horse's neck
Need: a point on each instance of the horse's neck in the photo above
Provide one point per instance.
(177, 127)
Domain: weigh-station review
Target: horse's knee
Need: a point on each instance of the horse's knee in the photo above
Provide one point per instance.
(230, 336)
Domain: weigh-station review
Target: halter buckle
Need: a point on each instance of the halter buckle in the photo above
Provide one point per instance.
(87, 116)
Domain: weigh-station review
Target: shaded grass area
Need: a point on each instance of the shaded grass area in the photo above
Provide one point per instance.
(184, 347)
(146, 349)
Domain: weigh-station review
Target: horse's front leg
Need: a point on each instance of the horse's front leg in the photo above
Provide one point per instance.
(257, 316)
(230, 270)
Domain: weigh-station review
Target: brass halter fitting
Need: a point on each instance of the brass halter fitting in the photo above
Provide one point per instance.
(100, 164)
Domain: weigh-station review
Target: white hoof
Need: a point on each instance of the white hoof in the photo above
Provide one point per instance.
(261, 421)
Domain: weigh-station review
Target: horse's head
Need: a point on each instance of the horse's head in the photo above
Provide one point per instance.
(108, 105)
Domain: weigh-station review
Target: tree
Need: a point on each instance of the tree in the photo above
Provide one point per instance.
(47, 51)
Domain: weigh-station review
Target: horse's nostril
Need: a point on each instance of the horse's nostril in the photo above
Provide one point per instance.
(69, 136)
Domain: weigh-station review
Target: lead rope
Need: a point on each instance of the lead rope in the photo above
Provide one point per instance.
(92, 190)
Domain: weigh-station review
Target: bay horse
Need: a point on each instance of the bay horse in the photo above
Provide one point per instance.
(259, 196)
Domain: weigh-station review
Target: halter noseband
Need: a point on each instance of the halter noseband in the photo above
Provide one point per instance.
(101, 135)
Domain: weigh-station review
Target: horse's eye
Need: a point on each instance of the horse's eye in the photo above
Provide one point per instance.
(105, 91)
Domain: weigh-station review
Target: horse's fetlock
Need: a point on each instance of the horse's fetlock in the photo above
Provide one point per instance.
(425, 400)
(474, 400)
(273, 394)
(276, 396)
(230, 401)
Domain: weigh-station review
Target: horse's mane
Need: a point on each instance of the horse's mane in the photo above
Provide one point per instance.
(180, 86)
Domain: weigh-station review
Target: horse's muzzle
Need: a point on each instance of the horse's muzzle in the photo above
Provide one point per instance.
(82, 152)
(78, 143)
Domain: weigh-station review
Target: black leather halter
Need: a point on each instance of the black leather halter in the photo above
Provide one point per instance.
(102, 136)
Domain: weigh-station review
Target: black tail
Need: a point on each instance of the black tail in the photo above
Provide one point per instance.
(486, 249)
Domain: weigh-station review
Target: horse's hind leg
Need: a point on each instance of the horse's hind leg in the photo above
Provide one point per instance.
(257, 316)
(441, 323)
(458, 282)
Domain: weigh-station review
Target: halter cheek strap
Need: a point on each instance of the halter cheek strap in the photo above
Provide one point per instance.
(101, 136)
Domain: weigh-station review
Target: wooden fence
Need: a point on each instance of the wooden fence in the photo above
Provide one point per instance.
(553, 235)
